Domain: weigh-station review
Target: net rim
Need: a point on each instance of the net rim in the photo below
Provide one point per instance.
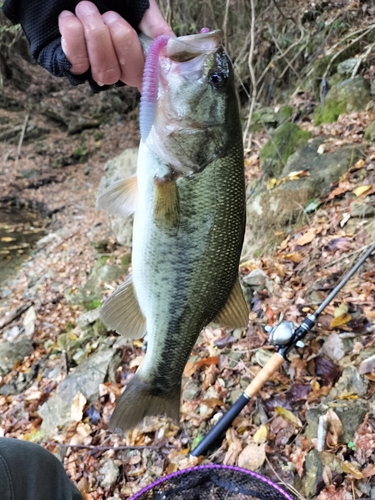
(211, 466)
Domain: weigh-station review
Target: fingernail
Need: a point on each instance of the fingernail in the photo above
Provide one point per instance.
(66, 13)
(111, 17)
(86, 8)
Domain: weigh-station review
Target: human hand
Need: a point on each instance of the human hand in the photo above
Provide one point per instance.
(107, 43)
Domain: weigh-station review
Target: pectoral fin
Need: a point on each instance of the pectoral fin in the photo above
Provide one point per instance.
(235, 313)
(120, 198)
(167, 205)
(121, 312)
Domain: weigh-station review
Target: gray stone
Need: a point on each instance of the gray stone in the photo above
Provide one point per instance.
(350, 412)
(192, 391)
(361, 209)
(11, 352)
(255, 279)
(314, 469)
(121, 167)
(279, 209)
(350, 382)
(110, 471)
(348, 96)
(235, 394)
(346, 67)
(85, 379)
(286, 140)
(333, 347)
(88, 318)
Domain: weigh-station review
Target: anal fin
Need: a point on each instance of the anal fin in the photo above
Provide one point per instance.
(120, 198)
(121, 312)
(235, 313)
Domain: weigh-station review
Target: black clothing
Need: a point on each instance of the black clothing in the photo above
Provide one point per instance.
(29, 472)
(39, 20)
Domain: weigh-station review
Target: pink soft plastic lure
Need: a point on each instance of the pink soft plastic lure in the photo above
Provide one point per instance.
(150, 86)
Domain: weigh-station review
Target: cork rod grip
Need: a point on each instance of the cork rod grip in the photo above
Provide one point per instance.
(265, 373)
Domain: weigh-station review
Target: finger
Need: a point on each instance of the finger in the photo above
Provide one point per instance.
(105, 68)
(73, 42)
(153, 23)
(127, 47)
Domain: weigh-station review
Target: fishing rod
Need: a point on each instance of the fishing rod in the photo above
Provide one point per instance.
(284, 336)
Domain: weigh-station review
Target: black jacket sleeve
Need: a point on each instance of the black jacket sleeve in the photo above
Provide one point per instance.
(39, 21)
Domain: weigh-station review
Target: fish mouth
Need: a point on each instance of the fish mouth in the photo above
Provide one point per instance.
(185, 48)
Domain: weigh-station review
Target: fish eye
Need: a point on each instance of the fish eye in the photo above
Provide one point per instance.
(218, 80)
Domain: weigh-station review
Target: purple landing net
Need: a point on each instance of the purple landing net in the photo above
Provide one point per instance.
(213, 482)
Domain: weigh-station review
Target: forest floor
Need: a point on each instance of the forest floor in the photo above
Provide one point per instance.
(70, 134)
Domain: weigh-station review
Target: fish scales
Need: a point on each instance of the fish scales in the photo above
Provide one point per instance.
(186, 255)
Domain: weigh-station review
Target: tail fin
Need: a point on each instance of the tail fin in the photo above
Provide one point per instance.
(138, 401)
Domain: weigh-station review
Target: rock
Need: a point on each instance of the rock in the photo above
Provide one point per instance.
(192, 391)
(88, 318)
(56, 412)
(110, 471)
(367, 365)
(11, 352)
(346, 67)
(235, 394)
(29, 321)
(346, 97)
(280, 208)
(350, 382)
(333, 347)
(90, 294)
(256, 280)
(118, 168)
(270, 118)
(314, 470)
(350, 412)
(370, 132)
(285, 141)
(361, 209)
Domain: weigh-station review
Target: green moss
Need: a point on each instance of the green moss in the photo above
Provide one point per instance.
(93, 304)
(370, 132)
(284, 142)
(331, 112)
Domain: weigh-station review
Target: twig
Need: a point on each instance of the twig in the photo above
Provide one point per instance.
(286, 485)
(348, 255)
(18, 154)
(252, 74)
(362, 59)
(14, 314)
(107, 448)
(225, 24)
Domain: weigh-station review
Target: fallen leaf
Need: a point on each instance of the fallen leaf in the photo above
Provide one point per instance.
(331, 493)
(335, 428)
(261, 435)
(7, 239)
(252, 457)
(340, 320)
(367, 365)
(271, 184)
(212, 402)
(307, 237)
(235, 447)
(298, 458)
(76, 408)
(326, 370)
(296, 257)
(191, 367)
(351, 469)
(369, 471)
(321, 149)
(361, 190)
(359, 164)
(288, 416)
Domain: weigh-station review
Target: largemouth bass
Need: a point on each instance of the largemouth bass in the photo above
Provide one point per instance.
(188, 198)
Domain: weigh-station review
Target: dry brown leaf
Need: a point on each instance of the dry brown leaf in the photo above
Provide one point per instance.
(261, 435)
(366, 442)
(361, 190)
(288, 416)
(252, 457)
(235, 447)
(192, 367)
(340, 320)
(331, 493)
(298, 458)
(369, 471)
(307, 237)
(351, 469)
(334, 427)
(76, 408)
(296, 257)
